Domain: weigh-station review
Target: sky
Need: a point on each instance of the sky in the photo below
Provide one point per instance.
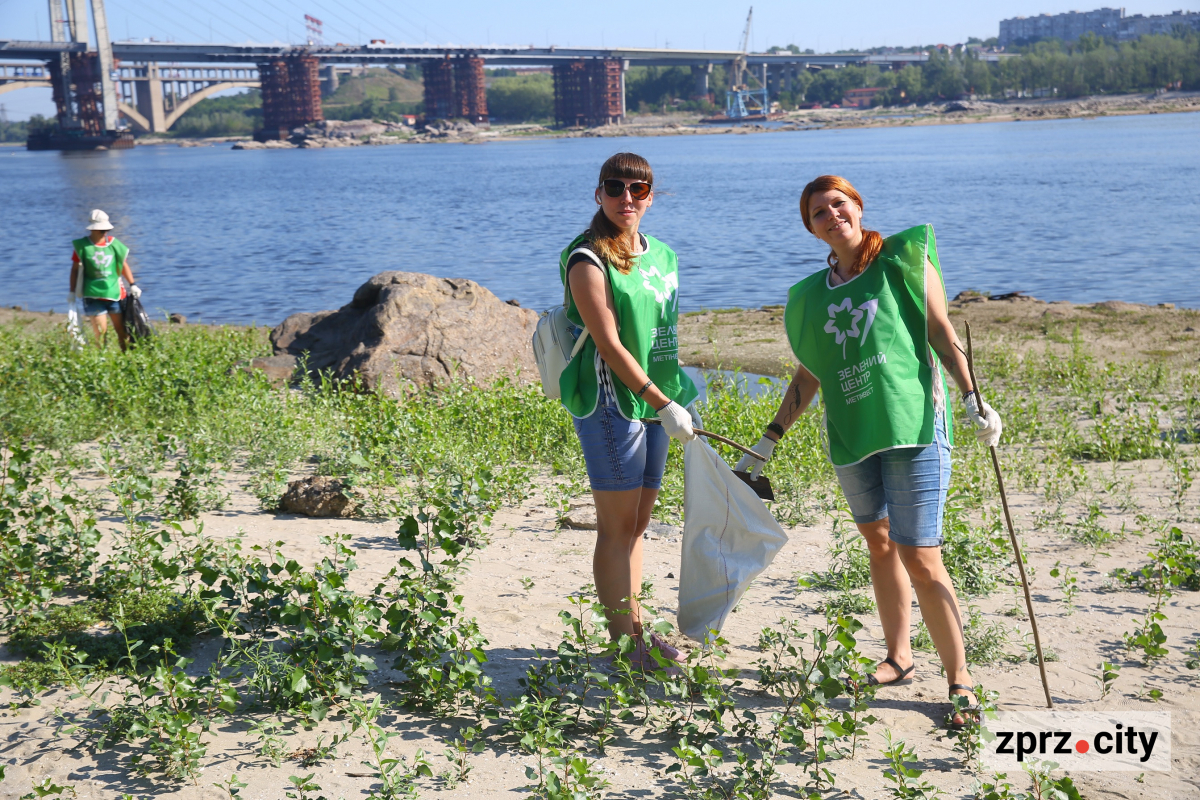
(701, 24)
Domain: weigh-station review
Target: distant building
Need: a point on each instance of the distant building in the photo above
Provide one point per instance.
(1109, 23)
(860, 98)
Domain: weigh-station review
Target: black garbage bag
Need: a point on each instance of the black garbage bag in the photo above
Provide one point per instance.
(137, 322)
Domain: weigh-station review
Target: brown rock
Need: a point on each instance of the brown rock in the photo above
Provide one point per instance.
(1120, 305)
(319, 496)
(409, 327)
(278, 369)
(177, 319)
(581, 515)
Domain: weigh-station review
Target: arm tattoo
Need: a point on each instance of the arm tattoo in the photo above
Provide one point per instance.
(797, 404)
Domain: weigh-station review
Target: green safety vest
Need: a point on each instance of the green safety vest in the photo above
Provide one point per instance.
(647, 306)
(101, 267)
(867, 342)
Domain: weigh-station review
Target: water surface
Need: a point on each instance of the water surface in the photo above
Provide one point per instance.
(1080, 210)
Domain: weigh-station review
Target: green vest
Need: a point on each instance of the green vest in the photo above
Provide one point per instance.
(101, 267)
(867, 342)
(647, 306)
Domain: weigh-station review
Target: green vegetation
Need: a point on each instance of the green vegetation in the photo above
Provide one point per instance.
(379, 94)
(232, 115)
(1091, 66)
(19, 131)
(104, 582)
(520, 97)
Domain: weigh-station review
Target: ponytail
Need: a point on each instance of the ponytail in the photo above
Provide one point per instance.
(606, 237)
(872, 241)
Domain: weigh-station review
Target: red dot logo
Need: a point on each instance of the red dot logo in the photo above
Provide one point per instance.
(1082, 746)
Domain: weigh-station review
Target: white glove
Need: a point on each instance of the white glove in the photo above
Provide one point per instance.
(71, 300)
(765, 447)
(696, 421)
(987, 422)
(677, 422)
(135, 290)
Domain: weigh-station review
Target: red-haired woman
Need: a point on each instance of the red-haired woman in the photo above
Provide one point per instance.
(865, 332)
(623, 286)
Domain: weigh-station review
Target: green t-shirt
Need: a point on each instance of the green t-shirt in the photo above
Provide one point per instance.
(102, 265)
(867, 342)
(647, 306)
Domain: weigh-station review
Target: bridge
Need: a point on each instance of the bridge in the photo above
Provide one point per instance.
(153, 83)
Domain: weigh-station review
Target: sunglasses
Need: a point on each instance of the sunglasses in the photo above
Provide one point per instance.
(615, 187)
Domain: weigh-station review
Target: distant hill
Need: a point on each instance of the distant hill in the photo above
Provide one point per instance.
(386, 85)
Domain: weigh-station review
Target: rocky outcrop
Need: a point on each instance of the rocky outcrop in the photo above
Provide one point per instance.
(406, 327)
(319, 496)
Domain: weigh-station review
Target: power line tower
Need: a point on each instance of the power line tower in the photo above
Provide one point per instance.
(315, 29)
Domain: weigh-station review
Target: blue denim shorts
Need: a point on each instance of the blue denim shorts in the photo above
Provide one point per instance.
(621, 455)
(906, 485)
(97, 306)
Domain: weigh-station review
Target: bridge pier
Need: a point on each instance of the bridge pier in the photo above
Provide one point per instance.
(470, 90)
(149, 97)
(589, 92)
(701, 75)
(291, 96)
(438, 77)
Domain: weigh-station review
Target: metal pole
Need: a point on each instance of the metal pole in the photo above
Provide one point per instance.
(1012, 534)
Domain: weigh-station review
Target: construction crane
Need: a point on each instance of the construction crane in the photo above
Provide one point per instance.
(743, 102)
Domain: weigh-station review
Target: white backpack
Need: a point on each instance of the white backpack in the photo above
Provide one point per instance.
(553, 344)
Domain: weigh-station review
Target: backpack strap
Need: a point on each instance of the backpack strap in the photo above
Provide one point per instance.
(591, 255)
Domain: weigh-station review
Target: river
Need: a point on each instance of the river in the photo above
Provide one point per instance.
(1082, 210)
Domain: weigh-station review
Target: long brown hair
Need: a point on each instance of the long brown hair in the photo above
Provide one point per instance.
(602, 233)
(872, 241)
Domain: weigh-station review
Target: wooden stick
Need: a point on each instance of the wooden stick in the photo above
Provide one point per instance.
(1012, 534)
(729, 442)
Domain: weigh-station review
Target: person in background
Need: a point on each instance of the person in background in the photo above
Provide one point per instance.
(625, 388)
(865, 332)
(105, 260)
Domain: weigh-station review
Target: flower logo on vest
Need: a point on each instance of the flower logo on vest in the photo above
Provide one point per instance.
(844, 318)
(663, 287)
(103, 258)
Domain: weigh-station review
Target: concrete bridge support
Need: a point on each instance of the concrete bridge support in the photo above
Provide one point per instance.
(291, 93)
(701, 75)
(589, 92)
(149, 98)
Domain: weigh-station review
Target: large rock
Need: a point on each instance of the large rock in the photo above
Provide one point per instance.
(408, 327)
(320, 496)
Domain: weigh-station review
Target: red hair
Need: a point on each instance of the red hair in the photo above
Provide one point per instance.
(872, 241)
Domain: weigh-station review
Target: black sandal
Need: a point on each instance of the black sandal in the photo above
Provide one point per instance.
(973, 708)
(902, 680)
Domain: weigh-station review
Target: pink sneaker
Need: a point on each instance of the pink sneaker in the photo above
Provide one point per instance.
(668, 652)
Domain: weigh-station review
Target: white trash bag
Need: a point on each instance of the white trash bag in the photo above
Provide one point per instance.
(729, 537)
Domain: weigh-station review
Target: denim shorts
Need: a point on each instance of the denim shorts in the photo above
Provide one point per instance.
(97, 306)
(621, 455)
(906, 485)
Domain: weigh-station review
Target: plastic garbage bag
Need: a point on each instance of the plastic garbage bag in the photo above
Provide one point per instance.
(137, 321)
(74, 328)
(729, 537)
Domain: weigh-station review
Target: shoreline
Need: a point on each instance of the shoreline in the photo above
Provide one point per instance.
(752, 340)
(950, 113)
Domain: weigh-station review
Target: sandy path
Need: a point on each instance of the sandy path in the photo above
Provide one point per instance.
(524, 543)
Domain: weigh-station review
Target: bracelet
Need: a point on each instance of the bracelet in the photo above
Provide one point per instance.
(776, 429)
(665, 405)
(642, 390)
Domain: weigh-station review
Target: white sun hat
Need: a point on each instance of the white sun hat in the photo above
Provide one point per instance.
(98, 221)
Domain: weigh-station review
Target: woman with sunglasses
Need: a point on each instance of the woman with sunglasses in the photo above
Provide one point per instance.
(625, 388)
(865, 332)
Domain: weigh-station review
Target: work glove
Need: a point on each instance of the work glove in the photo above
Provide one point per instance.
(987, 422)
(696, 421)
(71, 300)
(765, 447)
(135, 290)
(677, 422)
